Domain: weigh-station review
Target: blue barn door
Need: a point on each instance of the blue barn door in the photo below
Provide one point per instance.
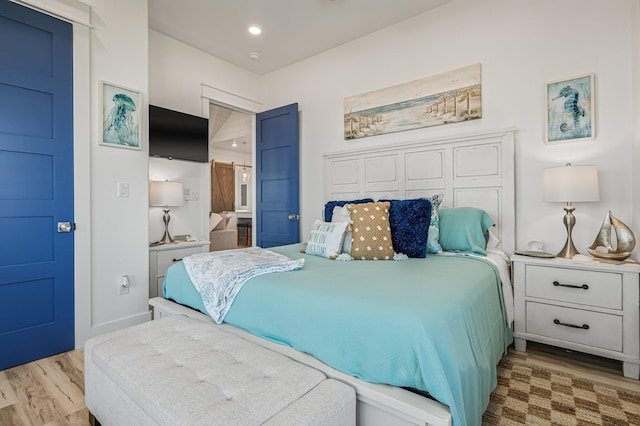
(277, 177)
(36, 185)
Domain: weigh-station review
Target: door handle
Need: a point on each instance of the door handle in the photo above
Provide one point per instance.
(64, 226)
(294, 217)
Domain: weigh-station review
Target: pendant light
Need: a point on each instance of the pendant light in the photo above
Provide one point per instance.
(244, 174)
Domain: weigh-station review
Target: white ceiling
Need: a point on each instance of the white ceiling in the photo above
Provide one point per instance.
(292, 29)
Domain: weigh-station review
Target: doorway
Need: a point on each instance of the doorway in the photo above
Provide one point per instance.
(230, 154)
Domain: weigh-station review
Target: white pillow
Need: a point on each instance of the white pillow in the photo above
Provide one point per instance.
(341, 214)
(214, 220)
(326, 239)
(493, 241)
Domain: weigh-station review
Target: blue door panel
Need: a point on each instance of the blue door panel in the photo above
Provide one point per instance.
(276, 161)
(275, 191)
(277, 221)
(21, 116)
(36, 185)
(40, 292)
(277, 176)
(31, 240)
(34, 170)
(26, 48)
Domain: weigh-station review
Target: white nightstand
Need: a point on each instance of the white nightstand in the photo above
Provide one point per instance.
(588, 307)
(165, 255)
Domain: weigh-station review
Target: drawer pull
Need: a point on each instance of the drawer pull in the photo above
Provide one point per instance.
(177, 260)
(583, 326)
(583, 286)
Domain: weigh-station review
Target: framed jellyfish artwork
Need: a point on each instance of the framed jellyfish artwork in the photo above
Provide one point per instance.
(570, 115)
(120, 116)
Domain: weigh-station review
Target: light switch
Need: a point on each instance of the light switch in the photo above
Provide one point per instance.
(123, 190)
(195, 195)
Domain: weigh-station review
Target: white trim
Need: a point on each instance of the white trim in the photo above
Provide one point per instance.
(230, 100)
(73, 11)
(237, 103)
(82, 181)
(119, 324)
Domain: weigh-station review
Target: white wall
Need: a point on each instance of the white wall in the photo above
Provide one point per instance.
(192, 217)
(111, 235)
(521, 45)
(119, 232)
(177, 73)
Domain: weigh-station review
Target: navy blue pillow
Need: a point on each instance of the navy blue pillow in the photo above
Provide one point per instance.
(328, 207)
(409, 220)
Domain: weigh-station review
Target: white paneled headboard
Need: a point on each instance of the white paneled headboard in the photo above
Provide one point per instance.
(472, 170)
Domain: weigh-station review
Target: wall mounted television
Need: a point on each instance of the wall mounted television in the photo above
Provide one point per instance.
(177, 135)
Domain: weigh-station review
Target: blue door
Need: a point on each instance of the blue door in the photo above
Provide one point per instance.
(277, 177)
(36, 185)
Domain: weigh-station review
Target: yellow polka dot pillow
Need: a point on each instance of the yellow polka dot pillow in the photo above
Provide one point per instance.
(370, 231)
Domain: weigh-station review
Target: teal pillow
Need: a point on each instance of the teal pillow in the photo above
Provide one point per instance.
(433, 246)
(464, 229)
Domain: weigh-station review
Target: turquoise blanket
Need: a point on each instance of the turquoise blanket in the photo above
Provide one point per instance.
(434, 324)
(219, 275)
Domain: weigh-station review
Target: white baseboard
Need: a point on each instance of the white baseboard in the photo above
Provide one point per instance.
(106, 327)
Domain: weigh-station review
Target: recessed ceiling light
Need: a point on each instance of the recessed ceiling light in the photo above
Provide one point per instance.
(254, 56)
(255, 30)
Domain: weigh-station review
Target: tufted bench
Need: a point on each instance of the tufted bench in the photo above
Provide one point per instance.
(180, 371)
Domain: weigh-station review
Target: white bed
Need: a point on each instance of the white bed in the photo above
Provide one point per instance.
(472, 170)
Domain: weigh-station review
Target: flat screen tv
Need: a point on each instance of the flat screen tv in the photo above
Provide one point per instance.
(177, 135)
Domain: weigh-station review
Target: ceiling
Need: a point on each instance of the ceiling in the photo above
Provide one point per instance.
(292, 30)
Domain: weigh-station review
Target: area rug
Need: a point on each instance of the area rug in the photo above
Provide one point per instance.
(529, 395)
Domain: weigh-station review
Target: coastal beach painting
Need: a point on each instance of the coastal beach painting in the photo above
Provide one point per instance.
(446, 98)
(570, 110)
(120, 116)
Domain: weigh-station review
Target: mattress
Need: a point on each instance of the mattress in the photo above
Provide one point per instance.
(437, 325)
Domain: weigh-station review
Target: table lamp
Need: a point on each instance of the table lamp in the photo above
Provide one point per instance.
(570, 184)
(165, 194)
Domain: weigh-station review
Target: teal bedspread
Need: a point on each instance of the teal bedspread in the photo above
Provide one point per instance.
(434, 324)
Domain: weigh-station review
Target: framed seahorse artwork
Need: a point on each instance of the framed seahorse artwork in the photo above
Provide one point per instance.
(570, 114)
(120, 116)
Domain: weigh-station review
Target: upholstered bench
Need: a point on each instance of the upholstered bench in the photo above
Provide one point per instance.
(180, 371)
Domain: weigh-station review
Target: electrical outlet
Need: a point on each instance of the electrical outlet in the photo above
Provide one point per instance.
(187, 194)
(195, 195)
(123, 285)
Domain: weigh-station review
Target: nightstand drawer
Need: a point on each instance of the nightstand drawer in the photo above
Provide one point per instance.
(604, 330)
(169, 257)
(593, 288)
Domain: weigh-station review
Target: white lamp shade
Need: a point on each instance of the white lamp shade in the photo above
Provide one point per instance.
(569, 184)
(165, 193)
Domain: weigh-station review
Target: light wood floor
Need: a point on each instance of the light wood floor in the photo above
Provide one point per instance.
(48, 392)
(51, 391)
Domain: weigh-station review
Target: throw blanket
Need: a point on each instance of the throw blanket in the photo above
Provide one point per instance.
(219, 276)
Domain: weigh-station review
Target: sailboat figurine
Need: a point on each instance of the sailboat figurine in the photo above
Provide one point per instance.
(626, 241)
